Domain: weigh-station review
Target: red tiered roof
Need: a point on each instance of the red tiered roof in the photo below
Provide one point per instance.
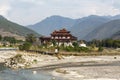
(61, 32)
(61, 36)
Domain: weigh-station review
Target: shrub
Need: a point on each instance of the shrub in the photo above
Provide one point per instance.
(115, 57)
(75, 44)
(69, 48)
(76, 49)
(100, 49)
(25, 46)
(19, 58)
(35, 60)
(84, 49)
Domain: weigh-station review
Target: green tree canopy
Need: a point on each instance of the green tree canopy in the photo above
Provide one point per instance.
(31, 38)
(0, 37)
(9, 39)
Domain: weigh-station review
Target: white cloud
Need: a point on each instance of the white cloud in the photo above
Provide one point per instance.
(30, 11)
(38, 2)
(4, 7)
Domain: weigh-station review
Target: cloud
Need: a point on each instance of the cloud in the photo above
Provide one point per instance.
(37, 2)
(4, 7)
(27, 12)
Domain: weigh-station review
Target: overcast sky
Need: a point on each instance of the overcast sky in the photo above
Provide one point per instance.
(26, 12)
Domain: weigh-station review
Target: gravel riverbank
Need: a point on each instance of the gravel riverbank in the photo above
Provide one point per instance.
(72, 67)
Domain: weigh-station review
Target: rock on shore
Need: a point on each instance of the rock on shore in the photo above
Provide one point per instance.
(17, 62)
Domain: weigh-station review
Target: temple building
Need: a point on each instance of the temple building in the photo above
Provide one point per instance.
(60, 36)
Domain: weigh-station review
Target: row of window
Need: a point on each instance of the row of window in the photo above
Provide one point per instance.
(56, 37)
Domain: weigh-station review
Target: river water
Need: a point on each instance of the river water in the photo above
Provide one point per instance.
(8, 74)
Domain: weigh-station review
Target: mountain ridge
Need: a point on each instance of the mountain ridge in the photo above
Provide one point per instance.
(87, 24)
(52, 23)
(80, 27)
(9, 27)
(104, 31)
(116, 35)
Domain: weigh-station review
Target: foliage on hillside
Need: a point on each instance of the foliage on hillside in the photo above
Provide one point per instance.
(14, 28)
(104, 31)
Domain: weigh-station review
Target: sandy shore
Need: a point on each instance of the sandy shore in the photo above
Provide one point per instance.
(73, 67)
(90, 73)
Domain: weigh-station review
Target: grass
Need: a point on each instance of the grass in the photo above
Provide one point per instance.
(89, 53)
(106, 51)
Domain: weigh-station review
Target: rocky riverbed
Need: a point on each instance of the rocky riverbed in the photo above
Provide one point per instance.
(71, 67)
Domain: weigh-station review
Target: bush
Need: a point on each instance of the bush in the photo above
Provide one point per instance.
(100, 49)
(76, 49)
(115, 57)
(75, 44)
(83, 49)
(18, 58)
(35, 60)
(70, 49)
(25, 46)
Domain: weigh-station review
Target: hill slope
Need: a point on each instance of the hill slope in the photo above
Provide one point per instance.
(104, 31)
(81, 28)
(85, 25)
(49, 24)
(116, 35)
(9, 28)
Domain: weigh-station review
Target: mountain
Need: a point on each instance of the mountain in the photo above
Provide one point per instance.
(8, 28)
(46, 26)
(104, 31)
(85, 25)
(115, 17)
(116, 35)
(83, 28)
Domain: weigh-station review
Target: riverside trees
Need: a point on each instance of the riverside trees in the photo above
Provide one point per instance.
(110, 43)
(29, 41)
(8, 41)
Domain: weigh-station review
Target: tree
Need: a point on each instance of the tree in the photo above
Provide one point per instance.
(109, 42)
(75, 44)
(10, 39)
(54, 42)
(100, 49)
(116, 43)
(30, 38)
(0, 37)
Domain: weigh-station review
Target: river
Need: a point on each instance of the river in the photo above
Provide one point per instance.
(8, 74)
